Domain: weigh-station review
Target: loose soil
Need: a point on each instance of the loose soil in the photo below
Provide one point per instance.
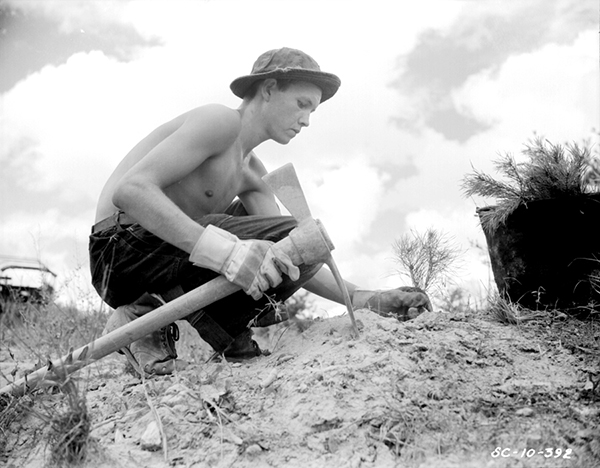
(442, 390)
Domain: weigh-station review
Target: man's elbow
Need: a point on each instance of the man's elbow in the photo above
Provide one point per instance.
(125, 193)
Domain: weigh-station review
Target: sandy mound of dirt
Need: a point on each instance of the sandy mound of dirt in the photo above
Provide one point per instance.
(442, 390)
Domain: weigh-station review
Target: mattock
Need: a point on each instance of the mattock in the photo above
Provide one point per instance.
(310, 239)
(307, 243)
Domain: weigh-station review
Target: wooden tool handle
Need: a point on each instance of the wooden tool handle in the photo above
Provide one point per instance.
(177, 309)
(160, 317)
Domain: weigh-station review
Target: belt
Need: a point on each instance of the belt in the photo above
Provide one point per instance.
(118, 219)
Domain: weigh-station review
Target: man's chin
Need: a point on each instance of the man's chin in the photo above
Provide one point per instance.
(284, 140)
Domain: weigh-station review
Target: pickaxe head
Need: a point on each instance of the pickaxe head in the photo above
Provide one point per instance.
(284, 183)
(310, 242)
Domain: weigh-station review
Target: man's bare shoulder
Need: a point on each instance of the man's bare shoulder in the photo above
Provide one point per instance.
(211, 124)
(216, 115)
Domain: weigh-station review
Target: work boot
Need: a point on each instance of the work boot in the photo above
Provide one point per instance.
(242, 348)
(154, 353)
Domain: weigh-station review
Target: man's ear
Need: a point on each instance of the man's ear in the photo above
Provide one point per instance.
(267, 88)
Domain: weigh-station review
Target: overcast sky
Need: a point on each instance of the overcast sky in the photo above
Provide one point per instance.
(429, 89)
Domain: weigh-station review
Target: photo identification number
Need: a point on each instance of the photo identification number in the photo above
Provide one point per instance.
(528, 453)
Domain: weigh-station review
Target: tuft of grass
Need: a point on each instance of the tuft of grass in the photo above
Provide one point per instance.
(32, 332)
(595, 281)
(548, 171)
(65, 430)
(69, 433)
(510, 313)
(298, 312)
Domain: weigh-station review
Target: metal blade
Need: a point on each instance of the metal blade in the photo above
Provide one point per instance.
(285, 185)
(340, 281)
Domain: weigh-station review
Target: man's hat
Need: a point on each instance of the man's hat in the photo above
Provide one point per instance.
(290, 64)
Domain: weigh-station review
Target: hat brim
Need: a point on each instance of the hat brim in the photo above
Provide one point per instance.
(328, 82)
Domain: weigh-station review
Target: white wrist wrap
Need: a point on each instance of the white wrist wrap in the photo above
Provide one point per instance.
(214, 247)
(236, 260)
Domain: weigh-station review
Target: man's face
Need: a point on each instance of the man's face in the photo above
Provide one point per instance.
(290, 109)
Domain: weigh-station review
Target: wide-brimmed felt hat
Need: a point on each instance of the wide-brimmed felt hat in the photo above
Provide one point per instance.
(290, 64)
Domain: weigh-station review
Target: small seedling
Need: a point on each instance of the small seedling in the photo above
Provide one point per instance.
(427, 259)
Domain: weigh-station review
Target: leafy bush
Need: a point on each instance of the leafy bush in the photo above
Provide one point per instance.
(549, 171)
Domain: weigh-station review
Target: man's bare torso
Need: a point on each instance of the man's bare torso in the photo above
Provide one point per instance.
(209, 188)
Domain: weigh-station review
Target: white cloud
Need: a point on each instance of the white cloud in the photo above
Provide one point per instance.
(32, 234)
(68, 111)
(346, 199)
(553, 90)
(76, 15)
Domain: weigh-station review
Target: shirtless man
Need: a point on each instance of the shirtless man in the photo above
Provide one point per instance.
(187, 203)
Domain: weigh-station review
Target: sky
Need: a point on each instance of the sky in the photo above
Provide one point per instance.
(430, 90)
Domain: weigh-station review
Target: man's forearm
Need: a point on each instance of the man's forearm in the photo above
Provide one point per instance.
(323, 284)
(158, 214)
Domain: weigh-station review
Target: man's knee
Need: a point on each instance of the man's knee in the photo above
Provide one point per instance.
(269, 228)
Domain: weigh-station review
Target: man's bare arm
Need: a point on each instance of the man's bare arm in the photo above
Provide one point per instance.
(404, 303)
(323, 284)
(259, 199)
(140, 192)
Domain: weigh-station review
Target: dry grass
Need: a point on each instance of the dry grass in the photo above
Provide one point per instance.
(510, 313)
(297, 313)
(69, 432)
(32, 333)
(595, 281)
(49, 330)
(65, 429)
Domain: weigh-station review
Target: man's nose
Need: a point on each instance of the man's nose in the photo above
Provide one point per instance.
(304, 119)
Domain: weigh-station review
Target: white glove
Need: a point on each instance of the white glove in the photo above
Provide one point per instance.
(254, 265)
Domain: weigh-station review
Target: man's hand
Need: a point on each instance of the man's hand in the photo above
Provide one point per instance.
(254, 265)
(404, 303)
